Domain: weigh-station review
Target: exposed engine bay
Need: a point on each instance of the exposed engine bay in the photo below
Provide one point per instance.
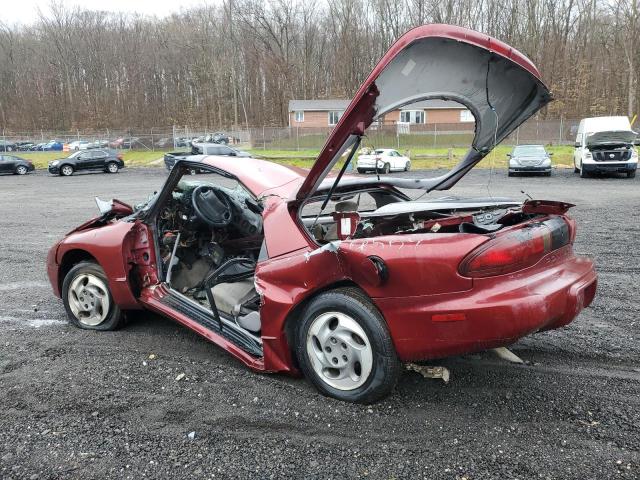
(393, 216)
(203, 229)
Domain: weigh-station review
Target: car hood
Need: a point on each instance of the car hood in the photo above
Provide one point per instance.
(498, 84)
(614, 136)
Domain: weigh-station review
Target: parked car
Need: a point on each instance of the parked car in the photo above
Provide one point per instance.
(125, 142)
(95, 159)
(605, 145)
(16, 165)
(24, 146)
(383, 160)
(529, 159)
(200, 149)
(51, 146)
(79, 145)
(344, 278)
(7, 146)
(98, 144)
(164, 142)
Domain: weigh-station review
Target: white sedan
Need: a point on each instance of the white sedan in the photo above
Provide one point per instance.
(383, 160)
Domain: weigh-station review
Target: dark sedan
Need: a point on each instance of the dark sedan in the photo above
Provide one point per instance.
(16, 165)
(96, 159)
(529, 159)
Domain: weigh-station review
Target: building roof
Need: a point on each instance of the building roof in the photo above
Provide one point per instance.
(340, 104)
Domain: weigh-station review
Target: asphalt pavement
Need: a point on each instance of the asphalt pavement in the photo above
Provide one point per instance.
(81, 404)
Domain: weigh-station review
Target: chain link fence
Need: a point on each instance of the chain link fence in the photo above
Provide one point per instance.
(400, 136)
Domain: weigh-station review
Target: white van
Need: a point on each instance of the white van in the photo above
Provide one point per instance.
(605, 144)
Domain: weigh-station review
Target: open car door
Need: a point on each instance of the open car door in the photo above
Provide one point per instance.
(498, 84)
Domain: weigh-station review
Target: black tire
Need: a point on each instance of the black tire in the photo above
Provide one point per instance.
(112, 167)
(66, 170)
(113, 318)
(575, 169)
(583, 173)
(631, 174)
(386, 368)
(510, 174)
(386, 168)
(21, 170)
(407, 167)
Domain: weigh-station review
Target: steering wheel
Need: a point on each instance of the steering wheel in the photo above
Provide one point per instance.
(212, 206)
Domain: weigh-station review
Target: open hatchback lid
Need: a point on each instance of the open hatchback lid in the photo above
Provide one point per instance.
(499, 85)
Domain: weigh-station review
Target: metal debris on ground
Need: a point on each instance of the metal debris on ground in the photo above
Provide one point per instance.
(506, 354)
(430, 372)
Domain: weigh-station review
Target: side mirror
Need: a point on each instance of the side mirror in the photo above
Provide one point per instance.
(233, 154)
(509, 155)
(550, 154)
(577, 145)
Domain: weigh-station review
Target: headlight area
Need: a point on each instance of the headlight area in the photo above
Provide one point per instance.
(54, 163)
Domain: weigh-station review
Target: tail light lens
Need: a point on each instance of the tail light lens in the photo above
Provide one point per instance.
(119, 156)
(516, 250)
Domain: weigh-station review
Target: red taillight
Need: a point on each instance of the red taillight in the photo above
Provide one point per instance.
(119, 156)
(515, 250)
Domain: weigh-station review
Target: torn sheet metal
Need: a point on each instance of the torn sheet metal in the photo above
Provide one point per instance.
(429, 372)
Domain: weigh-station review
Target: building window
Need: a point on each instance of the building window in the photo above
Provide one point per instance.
(466, 116)
(412, 116)
(299, 116)
(334, 117)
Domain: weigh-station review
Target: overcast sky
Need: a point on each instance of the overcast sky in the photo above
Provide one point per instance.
(25, 11)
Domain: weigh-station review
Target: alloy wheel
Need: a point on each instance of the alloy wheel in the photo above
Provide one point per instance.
(339, 351)
(21, 170)
(112, 167)
(89, 299)
(67, 170)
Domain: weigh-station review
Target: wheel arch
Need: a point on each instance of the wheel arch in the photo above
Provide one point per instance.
(70, 259)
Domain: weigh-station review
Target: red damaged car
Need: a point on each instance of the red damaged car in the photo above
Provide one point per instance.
(344, 277)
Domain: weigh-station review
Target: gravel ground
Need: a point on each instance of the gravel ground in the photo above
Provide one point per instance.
(79, 404)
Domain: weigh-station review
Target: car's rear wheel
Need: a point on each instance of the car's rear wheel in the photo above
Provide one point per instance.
(386, 168)
(112, 167)
(21, 170)
(344, 348)
(87, 298)
(66, 170)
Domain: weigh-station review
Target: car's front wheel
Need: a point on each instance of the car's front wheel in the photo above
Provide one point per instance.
(386, 168)
(407, 167)
(87, 298)
(344, 348)
(112, 167)
(583, 172)
(21, 170)
(66, 170)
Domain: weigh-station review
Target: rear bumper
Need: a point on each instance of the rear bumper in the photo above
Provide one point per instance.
(495, 312)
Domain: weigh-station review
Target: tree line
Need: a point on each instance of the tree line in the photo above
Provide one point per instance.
(239, 62)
